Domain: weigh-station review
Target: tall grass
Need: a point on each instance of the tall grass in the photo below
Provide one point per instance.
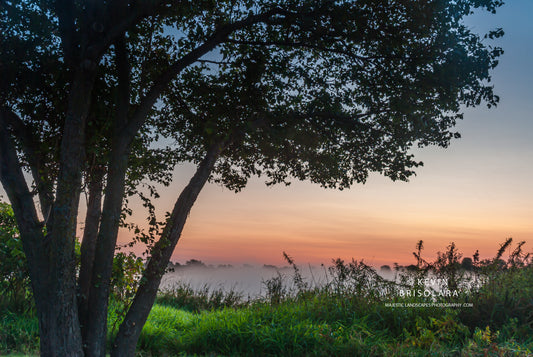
(351, 314)
(354, 312)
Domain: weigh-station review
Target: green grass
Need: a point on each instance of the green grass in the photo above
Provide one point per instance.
(18, 333)
(315, 326)
(347, 317)
(298, 329)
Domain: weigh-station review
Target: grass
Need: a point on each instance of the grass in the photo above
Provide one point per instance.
(350, 315)
(19, 329)
(298, 328)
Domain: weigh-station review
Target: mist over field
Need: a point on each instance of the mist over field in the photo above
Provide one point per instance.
(246, 279)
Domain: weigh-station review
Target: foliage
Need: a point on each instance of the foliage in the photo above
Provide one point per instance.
(126, 274)
(506, 296)
(348, 316)
(276, 290)
(127, 269)
(14, 286)
(184, 297)
(15, 289)
(447, 329)
(19, 332)
(343, 91)
(13, 267)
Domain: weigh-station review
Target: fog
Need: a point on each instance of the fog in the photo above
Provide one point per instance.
(247, 280)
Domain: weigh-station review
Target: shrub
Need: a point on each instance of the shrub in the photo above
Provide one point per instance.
(15, 290)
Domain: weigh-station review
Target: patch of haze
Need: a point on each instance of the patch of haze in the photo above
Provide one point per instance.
(247, 280)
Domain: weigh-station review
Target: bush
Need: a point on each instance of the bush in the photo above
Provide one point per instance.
(15, 290)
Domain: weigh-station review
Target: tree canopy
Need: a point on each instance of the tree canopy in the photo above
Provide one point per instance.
(91, 91)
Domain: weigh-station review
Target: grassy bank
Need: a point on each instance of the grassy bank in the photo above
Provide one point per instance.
(356, 313)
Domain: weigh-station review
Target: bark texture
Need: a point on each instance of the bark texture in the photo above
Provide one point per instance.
(58, 318)
(95, 338)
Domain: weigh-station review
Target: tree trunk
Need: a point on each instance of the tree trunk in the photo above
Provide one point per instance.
(58, 315)
(95, 341)
(130, 329)
(52, 272)
(88, 244)
(56, 296)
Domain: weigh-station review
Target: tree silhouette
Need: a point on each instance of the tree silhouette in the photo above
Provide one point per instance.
(326, 91)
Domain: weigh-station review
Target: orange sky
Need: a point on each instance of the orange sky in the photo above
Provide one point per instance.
(380, 221)
(475, 201)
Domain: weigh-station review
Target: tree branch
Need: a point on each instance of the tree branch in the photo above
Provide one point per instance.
(299, 44)
(124, 83)
(88, 243)
(126, 19)
(160, 84)
(30, 147)
(67, 27)
(15, 185)
(213, 62)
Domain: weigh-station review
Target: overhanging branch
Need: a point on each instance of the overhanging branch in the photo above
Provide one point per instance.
(160, 84)
(301, 44)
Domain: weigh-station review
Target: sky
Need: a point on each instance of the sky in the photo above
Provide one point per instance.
(475, 193)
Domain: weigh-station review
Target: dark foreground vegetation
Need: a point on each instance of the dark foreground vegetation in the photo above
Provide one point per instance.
(449, 307)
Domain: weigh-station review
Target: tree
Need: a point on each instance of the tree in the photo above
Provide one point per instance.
(467, 264)
(385, 268)
(326, 91)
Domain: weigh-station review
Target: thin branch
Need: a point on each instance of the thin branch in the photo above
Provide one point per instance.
(213, 62)
(124, 83)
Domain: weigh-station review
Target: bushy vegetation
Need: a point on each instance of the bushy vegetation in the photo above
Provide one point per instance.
(14, 280)
(355, 312)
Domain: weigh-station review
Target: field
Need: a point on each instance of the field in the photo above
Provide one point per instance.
(440, 309)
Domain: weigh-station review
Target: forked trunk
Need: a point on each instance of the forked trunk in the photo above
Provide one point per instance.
(55, 294)
(50, 259)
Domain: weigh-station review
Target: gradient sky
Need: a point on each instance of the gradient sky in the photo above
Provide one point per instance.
(476, 193)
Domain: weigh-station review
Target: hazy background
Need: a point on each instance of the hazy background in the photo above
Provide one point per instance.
(249, 281)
